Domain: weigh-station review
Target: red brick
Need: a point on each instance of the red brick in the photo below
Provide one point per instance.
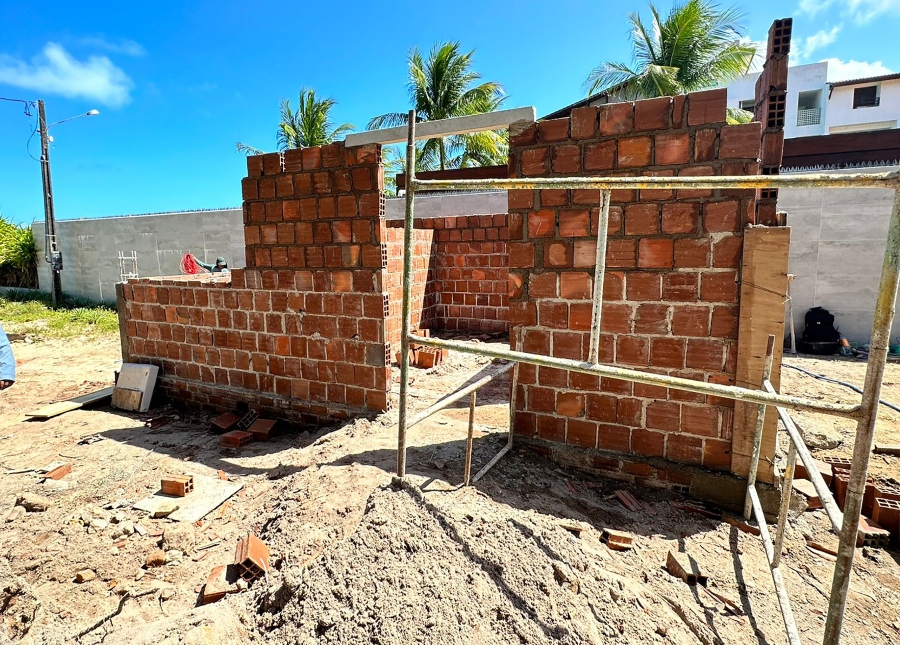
(581, 433)
(543, 285)
(254, 165)
(268, 234)
(717, 454)
(653, 114)
(570, 404)
(284, 185)
(667, 352)
(249, 188)
(521, 254)
(274, 211)
(641, 219)
(601, 407)
(553, 130)
(722, 217)
(664, 415)
(655, 253)
(700, 420)
(648, 443)
(740, 141)
(557, 254)
(651, 319)
(692, 253)
(515, 286)
(302, 184)
(541, 223)
(551, 428)
(621, 253)
(575, 285)
(719, 287)
(312, 158)
(613, 285)
(523, 135)
(705, 354)
(680, 217)
(681, 287)
(642, 286)
(600, 156)
(632, 350)
(684, 449)
(585, 253)
(673, 148)
(584, 122)
(554, 315)
(616, 318)
(707, 107)
(574, 223)
(522, 313)
(616, 118)
(690, 321)
(614, 437)
(727, 253)
(568, 345)
(554, 197)
(520, 199)
(535, 161)
(634, 152)
(724, 322)
(566, 159)
(705, 145)
(266, 187)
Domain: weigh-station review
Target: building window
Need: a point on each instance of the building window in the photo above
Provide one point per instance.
(809, 111)
(749, 105)
(866, 97)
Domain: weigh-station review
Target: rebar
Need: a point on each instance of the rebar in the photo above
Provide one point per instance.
(663, 380)
(493, 372)
(599, 278)
(407, 293)
(865, 428)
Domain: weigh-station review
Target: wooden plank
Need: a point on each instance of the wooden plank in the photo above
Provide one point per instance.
(763, 296)
(209, 493)
(126, 399)
(61, 407)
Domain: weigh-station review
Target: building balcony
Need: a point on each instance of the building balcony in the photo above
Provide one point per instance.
(811, 116)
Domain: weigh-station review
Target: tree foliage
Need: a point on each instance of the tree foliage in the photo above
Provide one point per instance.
(696, 46)
(309, 125)
(444, 85)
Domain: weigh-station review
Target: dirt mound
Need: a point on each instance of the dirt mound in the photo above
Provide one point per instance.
(413, 573)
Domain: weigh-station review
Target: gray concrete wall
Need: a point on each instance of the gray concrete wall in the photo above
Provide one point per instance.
(838, 237)
(90, 247)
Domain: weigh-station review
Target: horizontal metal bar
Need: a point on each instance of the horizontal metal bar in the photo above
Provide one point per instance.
(498, 120)
(453, 397)
(784, 601)
(827, 499)
(811, 180)
(624, 374)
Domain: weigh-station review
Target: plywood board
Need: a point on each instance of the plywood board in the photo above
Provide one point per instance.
(209, 493)
(61, 407)
(763, 300)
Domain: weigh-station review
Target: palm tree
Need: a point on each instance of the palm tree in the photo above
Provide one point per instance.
(695, 47)
(443, 86)
(309, 126)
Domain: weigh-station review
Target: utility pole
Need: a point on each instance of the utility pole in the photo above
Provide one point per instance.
(52, 254)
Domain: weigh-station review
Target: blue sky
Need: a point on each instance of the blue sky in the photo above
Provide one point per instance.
(177, 85)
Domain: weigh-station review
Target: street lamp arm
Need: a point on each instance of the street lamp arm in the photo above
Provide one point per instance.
(72, 118)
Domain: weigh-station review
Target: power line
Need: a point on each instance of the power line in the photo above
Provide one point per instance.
(28, 106)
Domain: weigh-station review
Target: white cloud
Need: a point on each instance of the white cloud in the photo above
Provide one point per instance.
(820, 39)
(122, 46)
(55, 71)
(861, 11)
(839, 70)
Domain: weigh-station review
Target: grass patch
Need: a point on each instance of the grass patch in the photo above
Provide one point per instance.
(30, 314)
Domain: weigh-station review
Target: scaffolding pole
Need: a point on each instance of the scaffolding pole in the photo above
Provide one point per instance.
(407, 288)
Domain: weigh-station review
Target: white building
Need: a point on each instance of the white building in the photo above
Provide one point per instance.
(815, 106)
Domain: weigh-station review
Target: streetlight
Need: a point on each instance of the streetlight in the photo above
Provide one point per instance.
(52, 254)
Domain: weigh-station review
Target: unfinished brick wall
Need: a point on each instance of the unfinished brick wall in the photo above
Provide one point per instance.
(301, 331)
(424, 295)
(670, 295)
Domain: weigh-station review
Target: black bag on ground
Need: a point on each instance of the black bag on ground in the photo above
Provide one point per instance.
(820, 336)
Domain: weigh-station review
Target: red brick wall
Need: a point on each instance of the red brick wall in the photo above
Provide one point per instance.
(300, 332)
(424, 295)
(671, 296)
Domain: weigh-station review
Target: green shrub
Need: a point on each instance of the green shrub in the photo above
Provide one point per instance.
(18, 255)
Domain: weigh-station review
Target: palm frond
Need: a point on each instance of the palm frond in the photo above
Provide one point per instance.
(244, 149)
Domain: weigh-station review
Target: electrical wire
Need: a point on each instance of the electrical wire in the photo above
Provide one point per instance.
(822, 377)
(28, 107)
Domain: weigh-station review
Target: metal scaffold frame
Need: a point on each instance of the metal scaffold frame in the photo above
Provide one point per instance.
(846, 524)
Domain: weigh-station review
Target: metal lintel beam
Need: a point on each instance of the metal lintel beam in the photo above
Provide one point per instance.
(498, 120)
(809, 180)
(624, 374)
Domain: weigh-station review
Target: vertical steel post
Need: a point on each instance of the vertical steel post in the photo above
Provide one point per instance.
(865, 429)
(470, 437)
(407, 288)
(599, 277)
(786, 486)
(760, 422)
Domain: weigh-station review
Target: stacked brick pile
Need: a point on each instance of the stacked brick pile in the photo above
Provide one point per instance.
(671, 290)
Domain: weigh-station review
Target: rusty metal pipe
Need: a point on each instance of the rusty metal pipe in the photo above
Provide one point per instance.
(407, 295)
(760, 424)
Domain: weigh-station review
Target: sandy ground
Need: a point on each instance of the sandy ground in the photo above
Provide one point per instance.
(359, 559)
